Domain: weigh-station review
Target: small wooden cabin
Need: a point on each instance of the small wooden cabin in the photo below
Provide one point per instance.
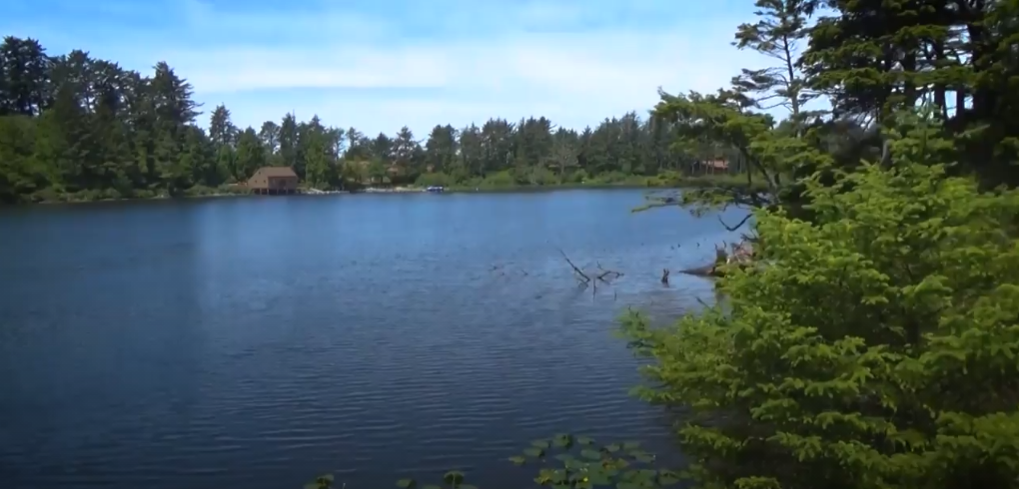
(274, 180)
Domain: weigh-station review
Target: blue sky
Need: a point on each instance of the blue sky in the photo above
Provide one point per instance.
(378, 65)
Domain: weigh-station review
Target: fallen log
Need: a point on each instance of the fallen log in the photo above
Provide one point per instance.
(742, 255)
(704, 271)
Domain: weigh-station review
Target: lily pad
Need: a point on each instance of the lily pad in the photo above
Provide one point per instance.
(541, 443)
(575, 464)
(591, 454)
(643, 457)
(518, 460)
(534, 452)
(599, 479)
(453, 477)
(667, 477)
(584, 440)
(405, 483)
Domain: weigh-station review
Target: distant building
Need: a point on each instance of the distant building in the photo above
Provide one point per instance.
(274, 180)
(714, 166)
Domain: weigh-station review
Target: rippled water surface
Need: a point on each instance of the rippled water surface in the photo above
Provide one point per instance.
(258, 342)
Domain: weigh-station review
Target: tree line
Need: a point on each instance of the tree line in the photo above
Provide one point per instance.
(72, 125)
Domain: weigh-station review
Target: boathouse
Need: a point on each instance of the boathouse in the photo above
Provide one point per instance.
(274, 180)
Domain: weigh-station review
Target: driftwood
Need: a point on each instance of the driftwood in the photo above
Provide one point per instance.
(602, 275)
(580, 273)
(741, 253)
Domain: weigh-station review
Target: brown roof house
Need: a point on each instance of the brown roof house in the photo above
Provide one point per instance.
(714, 166)
(274, 180)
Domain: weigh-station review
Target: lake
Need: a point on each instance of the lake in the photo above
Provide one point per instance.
(258, 342)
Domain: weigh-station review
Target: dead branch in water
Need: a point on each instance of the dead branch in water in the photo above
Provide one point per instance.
(607, 275)
(603, 275)
(576, 269)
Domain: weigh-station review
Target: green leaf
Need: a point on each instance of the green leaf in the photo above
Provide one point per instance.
(574, 464)
(518, 460)
(541, 443)
(405, 483)
(563, 440)
(564, 457)
(612, 447)
(534, 452)
(432, 486)
(591, 454)
(616, 464)
(667, 477)
(453, 477)
(642, 456)
(599, 479)
(584, 440)
(631, 445)
(627, 485)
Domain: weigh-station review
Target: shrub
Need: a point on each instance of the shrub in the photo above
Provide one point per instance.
(874, 347)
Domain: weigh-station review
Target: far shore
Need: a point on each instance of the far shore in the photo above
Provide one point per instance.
(236, 191)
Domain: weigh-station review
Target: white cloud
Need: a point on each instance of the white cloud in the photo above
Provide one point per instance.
(441, 61)
(577, 79)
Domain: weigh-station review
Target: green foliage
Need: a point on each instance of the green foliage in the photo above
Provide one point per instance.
(321, 482)
(565, 461)
(874, 346)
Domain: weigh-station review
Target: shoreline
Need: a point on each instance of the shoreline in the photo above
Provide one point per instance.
(457, 189)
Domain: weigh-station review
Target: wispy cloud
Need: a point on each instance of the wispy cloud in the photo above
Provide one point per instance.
(378, 65)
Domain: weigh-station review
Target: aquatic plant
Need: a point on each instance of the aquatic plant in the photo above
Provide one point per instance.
(564, 461)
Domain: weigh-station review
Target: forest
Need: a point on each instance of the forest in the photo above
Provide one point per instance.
(73, 127)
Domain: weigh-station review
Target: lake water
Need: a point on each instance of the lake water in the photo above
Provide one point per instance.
(258, 342)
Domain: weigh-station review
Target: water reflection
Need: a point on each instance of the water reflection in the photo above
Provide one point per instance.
(256, 342)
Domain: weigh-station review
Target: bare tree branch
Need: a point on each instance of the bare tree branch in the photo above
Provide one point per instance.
(738, 225)
(575, 268)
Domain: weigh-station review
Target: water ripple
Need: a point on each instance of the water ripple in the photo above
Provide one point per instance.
(244, 343)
